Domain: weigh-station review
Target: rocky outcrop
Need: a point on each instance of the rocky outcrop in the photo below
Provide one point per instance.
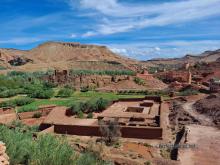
(18, 61)
(4, 159)
(210, 106)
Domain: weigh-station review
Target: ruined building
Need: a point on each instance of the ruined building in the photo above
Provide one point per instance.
(64, 77)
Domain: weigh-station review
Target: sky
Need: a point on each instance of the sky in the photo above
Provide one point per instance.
(140, 29)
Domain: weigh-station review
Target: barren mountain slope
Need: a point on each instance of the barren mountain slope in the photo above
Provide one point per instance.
(66, 55)
(7, 55)
(57, 51)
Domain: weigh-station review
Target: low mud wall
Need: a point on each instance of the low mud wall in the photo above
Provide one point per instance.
(4, 111)
(43, 111)
(127, 132)
(7, 118)
(153, 98)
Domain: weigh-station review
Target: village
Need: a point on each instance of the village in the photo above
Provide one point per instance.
(137, 123)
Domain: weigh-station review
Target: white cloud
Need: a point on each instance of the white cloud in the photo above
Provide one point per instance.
(20, 41)
(73, 35)
(118, 50)
(89, 34)
(157, 48)
(167, 49)
(123, 17)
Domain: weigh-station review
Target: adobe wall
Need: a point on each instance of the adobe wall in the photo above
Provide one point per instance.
(153, 98)
(127, 132)
(7, 118)
(141, 133)
(4, 111)
(44, 112)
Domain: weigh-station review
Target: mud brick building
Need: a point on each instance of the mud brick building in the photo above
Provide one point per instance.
(214, 85)
(137, 118)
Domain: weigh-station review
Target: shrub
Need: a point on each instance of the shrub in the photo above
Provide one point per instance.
(80, 114)
(23, 101)
(18, 125)
(9, 93)
(27, 109)
(90, 115)
(42, 93)
(102, 72)
(2, 68)
(94, 105)
(37, 115)
(139, 81)
(16, 102)
(7, 104)
(47, 149)
(65, 92)
(49, 85)
(188, 92)
(84, 89)
(110, 131)
(101, 104)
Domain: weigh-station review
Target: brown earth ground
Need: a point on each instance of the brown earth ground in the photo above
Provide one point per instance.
(207, 141)
(204, 136)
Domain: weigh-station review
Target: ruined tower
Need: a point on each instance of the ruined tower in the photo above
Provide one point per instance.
(189, 77)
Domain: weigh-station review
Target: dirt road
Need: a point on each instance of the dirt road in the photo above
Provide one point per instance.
(207, 141)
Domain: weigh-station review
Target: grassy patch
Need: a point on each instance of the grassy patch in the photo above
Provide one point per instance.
(46, 149)
(76, 97)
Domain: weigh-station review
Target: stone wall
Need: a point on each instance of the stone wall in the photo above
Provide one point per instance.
(4, 159)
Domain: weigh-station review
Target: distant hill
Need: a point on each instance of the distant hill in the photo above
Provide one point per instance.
(64, 55)
(72, 55)
(207, 56)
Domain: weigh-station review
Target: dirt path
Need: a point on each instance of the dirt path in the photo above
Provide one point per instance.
(206, 139)
(206, 152)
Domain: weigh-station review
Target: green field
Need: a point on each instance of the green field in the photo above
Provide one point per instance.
(77, 96)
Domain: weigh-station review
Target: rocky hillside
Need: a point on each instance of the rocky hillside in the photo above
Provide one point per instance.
(210, 106)
(63, 55)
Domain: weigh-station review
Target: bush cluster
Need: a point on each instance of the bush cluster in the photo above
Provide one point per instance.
(42, 93)
(102, 72)
(27, 109)
(84, 89)
(16, 102)
(37, 115)
(15, 83)
(65, 92)
(144, 92)
(45, 150)
(188, 92)
(94, 105)
(139, 81)
(10, 92)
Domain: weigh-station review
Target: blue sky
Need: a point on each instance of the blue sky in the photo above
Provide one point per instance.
(141, 29)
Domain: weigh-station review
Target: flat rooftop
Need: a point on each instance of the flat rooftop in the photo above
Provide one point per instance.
(140, 113)
(121, 109)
